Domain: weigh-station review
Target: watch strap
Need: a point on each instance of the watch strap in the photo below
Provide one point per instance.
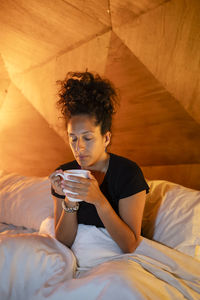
(69, 209)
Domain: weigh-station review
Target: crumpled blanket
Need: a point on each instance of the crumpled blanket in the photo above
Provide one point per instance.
(36, 266)
(153, 271)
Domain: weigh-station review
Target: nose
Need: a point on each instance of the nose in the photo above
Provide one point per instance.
(80, 145)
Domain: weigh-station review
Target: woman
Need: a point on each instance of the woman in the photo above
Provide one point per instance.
(114, 195)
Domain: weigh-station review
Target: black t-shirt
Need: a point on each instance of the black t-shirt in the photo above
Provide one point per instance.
(122, 179)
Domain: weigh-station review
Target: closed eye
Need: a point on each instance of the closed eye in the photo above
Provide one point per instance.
(74, 139)
(87, 139)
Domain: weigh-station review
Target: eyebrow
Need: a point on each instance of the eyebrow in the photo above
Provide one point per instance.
(85, 132)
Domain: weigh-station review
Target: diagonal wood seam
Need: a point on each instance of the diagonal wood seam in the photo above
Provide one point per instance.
(173, 96)
(68, 49)
(94, 18)
(6, 79)
(50, 126)
(142, 13)
(110, 13)
(42, 64)
(4, 68)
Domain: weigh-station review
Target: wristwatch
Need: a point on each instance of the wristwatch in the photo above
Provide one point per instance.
(69, 209)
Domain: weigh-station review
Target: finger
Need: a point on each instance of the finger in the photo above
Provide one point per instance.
(57, 188)
(91, 176)
(74, 186)
(54, 173)
(51, 176)
(75, 196)
(81, 184)
(73, 190)
(56, 182)
(57, 174)
(78, 179)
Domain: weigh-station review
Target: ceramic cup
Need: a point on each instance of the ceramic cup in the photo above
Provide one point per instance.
(75, 172)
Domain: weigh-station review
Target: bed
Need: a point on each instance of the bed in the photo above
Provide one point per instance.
(34, 265)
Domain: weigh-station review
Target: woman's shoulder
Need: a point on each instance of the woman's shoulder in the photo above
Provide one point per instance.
(122, 168)
(118, 162)
(69, 165)
(127, 176)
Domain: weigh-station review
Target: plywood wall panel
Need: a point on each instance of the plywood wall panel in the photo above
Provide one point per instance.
(28, 145)
(40, 30)
(149, 49)
(167, 41)
(98, 10)
(4, 84)
(4, 81)
(123, 12)
(150, 127)
(92, 56)
(3, 71)
(39, 87)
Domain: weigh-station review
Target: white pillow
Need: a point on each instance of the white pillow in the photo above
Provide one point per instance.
(25, 201)
(30, 262)
(172, 216)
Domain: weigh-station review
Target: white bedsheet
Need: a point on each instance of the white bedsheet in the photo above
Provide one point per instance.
(153, 271)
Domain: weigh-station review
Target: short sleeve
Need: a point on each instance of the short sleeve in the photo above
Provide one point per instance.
(132, 181)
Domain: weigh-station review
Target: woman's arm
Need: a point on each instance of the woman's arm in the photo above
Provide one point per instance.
(126, 230)
(65, 222)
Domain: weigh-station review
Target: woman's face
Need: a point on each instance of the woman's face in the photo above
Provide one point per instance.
(86, 141)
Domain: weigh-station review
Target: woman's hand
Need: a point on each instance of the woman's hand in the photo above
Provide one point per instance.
(87, 189)
(56, 182)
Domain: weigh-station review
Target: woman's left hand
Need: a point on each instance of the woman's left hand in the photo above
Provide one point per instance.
(87, 189)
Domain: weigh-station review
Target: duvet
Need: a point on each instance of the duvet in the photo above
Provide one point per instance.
(34, 265)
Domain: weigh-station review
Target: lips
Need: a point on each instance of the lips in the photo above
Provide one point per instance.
(82, 157)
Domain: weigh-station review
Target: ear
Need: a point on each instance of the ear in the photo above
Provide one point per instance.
(107, 137)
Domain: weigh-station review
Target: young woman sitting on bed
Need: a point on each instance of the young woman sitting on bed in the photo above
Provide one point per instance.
(114, 195)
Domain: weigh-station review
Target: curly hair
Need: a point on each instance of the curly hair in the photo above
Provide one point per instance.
(87, 93)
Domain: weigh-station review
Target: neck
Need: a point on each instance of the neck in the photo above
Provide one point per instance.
(101, 165)
(99, 171)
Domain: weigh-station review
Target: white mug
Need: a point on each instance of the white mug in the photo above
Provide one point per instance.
(75, 172)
